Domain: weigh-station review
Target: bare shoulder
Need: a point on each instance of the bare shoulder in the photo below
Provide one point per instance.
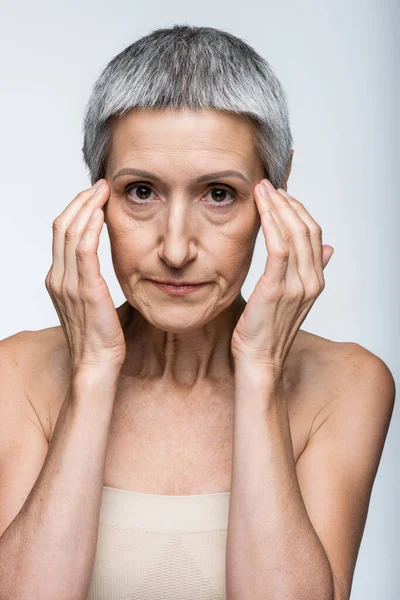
(321, 374)
(344, 451)
(334, 357)
(366, 382)
(344, 374)
(40, 362)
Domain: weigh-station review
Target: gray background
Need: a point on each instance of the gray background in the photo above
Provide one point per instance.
(338, 63)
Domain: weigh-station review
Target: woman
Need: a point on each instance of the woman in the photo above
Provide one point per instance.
(187, 444)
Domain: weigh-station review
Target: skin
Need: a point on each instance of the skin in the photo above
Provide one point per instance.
(182, 233)
(313, 524)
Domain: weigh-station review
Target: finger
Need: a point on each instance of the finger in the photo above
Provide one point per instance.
(315, 232)
(60, 225)
(278, 253)
(49, 287)
(266, 203)
(299, 235)
(86, 253)
(74, 233)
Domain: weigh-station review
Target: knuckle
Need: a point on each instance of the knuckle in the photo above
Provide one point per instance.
(313, 288)
(317, 230)
(82, 249)
(54, 286)
(70, 234)
(287, 237)
(57, 225)
(68, 291)
(281, 253)
(278, 291)
(297, 289)
(47, 280)
(304, 231)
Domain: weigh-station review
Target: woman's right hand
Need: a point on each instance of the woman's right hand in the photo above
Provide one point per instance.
(78, 291)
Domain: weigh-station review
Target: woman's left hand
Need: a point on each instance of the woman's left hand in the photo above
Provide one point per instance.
(292, 280)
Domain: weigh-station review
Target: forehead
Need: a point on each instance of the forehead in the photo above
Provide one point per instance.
(202, 135)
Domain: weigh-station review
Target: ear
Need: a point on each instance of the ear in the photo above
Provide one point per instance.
(287, 170)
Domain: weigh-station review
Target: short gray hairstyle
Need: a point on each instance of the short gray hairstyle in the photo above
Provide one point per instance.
(195, 68)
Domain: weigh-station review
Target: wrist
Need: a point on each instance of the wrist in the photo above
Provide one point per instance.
(90, 376)
(258, 373)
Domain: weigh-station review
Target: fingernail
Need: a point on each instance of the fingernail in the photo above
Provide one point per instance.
(100, 188)
(264, 190)
(98, 184)
(269, 186)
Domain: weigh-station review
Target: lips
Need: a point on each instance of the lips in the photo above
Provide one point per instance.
(175, 283)
(177, 290)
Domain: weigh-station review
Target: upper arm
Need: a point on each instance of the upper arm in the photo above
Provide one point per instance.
(23, 443)
(337, 469)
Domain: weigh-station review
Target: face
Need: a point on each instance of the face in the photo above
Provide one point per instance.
(175, 222)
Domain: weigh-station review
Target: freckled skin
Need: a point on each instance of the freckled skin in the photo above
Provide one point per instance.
(182, 233)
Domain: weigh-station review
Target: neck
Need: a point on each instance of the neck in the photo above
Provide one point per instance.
(183, 359)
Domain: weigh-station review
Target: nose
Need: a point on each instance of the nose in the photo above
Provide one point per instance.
(177, 246)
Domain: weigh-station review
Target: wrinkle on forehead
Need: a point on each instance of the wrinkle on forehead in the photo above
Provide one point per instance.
(199, 139)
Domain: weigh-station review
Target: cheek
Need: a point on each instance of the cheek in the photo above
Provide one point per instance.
(243, 234)
(129, 249)
(126, 235)
(232, 254)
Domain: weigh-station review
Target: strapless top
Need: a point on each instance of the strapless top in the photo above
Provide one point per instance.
(160, 547)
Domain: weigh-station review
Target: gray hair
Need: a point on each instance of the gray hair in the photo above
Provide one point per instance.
(192, 67)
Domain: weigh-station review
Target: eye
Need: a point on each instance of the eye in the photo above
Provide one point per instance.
(143, 192)
(218, 195)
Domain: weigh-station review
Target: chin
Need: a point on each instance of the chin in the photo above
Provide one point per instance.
(178, 321)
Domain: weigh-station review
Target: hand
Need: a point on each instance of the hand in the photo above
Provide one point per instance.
(79, 293)
(292, 280)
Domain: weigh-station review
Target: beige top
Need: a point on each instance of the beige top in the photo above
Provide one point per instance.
(159, 547)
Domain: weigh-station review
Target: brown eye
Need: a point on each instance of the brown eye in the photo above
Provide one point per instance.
(218, 195)
(143, 192)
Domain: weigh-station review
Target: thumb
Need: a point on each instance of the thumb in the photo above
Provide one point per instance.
(327, 252)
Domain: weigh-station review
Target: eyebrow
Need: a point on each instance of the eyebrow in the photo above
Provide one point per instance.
(216, 175)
